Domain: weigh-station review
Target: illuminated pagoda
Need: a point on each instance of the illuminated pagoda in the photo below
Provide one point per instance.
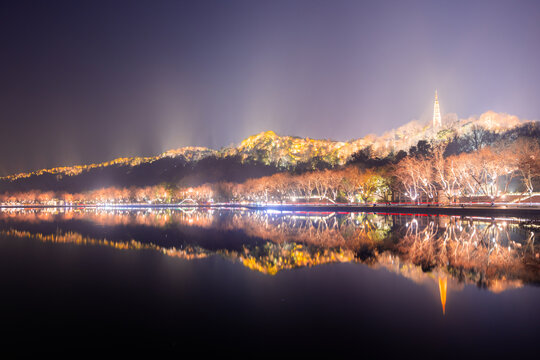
(436, 112)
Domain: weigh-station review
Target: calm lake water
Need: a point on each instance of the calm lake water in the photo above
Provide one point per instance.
(262, 282)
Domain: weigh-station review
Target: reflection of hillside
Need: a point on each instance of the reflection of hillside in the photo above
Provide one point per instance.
(489, 253)
(272, 258)
(78, 239)
(268, 259)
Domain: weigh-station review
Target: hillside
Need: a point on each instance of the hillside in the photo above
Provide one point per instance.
(264, 154)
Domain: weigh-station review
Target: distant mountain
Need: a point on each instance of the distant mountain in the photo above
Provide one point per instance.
(261, 155)
(185, 155)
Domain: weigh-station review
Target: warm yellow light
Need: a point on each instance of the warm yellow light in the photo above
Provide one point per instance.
(442, 290)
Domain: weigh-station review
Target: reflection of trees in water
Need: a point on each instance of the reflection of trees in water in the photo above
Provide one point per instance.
(152, 217)
(481, 251)
(353, 231)
(487, 252)
(476, 251)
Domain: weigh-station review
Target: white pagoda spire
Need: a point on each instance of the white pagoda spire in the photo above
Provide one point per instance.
(436, 112)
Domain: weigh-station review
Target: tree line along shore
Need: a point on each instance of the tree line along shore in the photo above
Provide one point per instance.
(503, 172)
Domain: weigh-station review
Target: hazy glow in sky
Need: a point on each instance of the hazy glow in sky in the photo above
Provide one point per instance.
(89, 81)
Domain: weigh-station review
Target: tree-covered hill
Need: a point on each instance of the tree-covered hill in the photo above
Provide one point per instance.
(267, 153)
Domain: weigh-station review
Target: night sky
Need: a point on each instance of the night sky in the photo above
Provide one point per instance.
(88, 81)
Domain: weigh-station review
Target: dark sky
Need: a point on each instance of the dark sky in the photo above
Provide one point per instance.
(87, 81)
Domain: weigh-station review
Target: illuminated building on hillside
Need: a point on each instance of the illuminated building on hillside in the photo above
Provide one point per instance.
(436, 112)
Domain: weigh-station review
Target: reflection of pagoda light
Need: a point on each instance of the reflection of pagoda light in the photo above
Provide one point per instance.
(442, 290)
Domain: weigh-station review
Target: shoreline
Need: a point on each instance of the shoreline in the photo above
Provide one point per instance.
(489, 211)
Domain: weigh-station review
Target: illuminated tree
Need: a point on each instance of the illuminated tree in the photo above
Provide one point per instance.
(368, 184)
(408, 171)
(351, 183)
(335, 183)
(526, 154)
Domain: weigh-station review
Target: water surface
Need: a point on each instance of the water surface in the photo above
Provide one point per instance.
(233, 280)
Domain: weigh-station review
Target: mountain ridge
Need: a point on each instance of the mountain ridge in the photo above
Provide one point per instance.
(271, 150)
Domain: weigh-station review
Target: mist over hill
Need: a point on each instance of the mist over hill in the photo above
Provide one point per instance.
(268, 153)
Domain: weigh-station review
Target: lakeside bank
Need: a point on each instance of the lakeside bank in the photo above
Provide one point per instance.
(532, 212)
